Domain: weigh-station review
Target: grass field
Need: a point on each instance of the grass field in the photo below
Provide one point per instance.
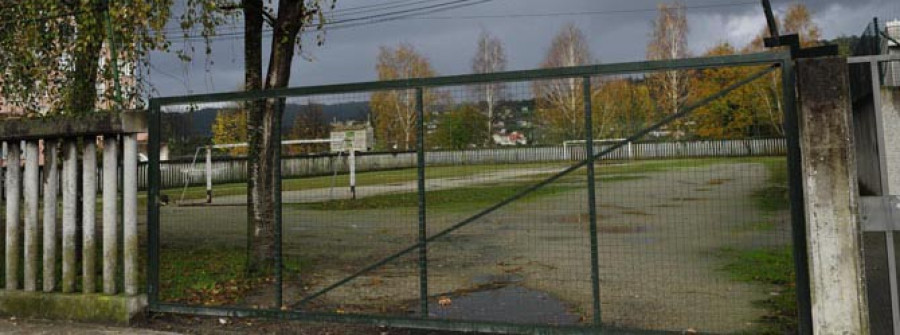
(681, 242)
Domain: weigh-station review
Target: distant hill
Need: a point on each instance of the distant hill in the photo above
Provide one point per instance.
(199, 123)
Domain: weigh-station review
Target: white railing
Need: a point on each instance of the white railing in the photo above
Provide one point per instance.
(177, 173)
(48, 152)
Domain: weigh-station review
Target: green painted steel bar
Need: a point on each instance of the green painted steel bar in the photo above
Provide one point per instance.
(420, 162)
(592, 198)
(153, 205)
(403, 322)
(113, 55)
(526, 75)
(684, 112)
(795, 193)
(279, 235)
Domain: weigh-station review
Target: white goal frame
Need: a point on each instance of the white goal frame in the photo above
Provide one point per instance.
(208, 170)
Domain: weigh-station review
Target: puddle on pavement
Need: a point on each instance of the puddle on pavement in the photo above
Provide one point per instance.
(511, 303)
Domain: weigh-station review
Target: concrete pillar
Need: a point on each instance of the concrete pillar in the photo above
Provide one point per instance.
(13, 194)
(51, 191)
(129, 208)
(208, 174)
(110, 213)
(89, 215)
(31, 182)
(70, 207)
(830, 195)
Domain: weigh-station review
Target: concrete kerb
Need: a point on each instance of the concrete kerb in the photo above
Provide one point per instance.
(109, 309)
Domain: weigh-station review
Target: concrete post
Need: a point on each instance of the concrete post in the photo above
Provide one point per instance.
(208, 174)
(89, 215)
(51, 191)
(70, 207)
(129, 208)
(13, 194)
(31, 183)
(830, 194)
(110, 213)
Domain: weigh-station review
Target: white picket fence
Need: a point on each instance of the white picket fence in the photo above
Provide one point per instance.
(229, 170)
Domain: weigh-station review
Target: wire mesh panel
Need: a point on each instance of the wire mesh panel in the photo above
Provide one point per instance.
(699, 240)
(526, 261)
(203, 210)
(614, 199)
(346, 204)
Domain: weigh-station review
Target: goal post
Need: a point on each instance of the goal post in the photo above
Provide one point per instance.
(343, 145)
(629, 153)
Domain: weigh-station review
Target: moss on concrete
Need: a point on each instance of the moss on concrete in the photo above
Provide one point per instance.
(77, 307)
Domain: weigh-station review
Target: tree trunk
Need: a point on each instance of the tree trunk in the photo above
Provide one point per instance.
(253, 25)
(264, 142)
(83, 93)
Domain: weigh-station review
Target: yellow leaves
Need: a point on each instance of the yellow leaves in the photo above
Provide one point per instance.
(444, 301)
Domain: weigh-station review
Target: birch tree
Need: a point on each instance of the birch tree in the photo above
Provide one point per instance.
(394, 111)
(490, 57)
(668, 40)
(560, 102)
(55, 54)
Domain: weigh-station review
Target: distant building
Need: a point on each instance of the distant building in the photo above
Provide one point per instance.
(892, 69)
(127, 84)
(513, 138)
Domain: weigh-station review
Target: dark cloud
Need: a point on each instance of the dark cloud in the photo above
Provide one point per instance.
(448, 39)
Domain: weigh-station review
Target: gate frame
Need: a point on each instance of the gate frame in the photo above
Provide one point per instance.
(780, 59)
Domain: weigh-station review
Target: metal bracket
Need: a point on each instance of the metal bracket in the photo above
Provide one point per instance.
(792, 41)
(880, 213)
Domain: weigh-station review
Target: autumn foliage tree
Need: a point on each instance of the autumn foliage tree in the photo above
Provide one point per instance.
(460, 128)
(489, 57)
(310, 123)
(394, 112)
(229, 127)
(560, 102)
(621, 106)
(668, 40)
(52, 48)
(797, 20)
(733, 116)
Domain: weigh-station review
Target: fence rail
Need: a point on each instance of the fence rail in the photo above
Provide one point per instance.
(231, 170)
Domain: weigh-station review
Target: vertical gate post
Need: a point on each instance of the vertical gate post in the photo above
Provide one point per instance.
(13, 194)
(592, 199)
(829, 184)
(89, 215)
(70, 206)
(110, 213)
(51, 191)
(30, 187)
(420, 158)
(129, 213)
(795, 193)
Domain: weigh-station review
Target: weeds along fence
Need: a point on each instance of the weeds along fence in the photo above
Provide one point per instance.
(175, 173)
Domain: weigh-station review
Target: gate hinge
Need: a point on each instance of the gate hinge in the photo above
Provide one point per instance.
(879, 213)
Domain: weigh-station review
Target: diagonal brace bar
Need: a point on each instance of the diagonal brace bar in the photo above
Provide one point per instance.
(668, 119)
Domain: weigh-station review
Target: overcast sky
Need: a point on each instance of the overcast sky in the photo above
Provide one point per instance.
(617, 32)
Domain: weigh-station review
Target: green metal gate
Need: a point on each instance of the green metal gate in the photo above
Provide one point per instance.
(577, 217)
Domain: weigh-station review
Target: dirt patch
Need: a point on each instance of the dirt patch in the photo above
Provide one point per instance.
(623, 229)
(636, 212)
(188, 324)
(577, 218)
(718, 181)
(687, 199)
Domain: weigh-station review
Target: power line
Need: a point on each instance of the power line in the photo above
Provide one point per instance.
(338, 25)
(580, 13)
(355, 22)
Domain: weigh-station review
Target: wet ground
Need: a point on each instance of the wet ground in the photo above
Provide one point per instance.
(513, 304)
(658, 242)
